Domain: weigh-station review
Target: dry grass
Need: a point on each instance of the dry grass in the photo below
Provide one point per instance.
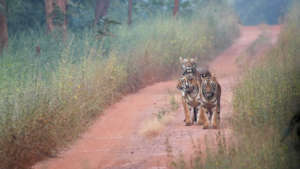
(151, 128)
(154, 126)
(174, 100)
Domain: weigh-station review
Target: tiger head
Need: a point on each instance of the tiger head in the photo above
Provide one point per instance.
(209, 87)
(204, 72)
(188, 65)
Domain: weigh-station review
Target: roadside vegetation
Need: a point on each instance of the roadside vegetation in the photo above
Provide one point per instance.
(265, 100)
(51, 90)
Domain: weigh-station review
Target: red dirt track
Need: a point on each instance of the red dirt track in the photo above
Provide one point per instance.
(114, 141)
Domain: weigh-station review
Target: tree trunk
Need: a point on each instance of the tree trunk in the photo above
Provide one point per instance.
(3, 27)
(49, 17)
(62, 5)
(101, 9)
(129, 12)
(176, 7)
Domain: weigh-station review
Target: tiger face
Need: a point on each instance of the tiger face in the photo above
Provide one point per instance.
(208, 88)
(188, 65)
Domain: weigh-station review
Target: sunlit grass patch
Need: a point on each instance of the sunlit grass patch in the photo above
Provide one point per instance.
(174, 103)
(174, 100)
(156, 124)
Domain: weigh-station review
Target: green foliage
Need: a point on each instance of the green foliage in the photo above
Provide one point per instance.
(104, 26)
(25, 15)
(2, 9)
(270, 91)
(47, 103)
(30, 14)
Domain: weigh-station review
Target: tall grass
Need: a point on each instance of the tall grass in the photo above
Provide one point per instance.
(47, 99)
(264, 101)
(269, 93)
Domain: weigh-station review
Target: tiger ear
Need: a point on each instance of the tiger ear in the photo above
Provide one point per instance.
(213, 76)
(192, 60)
(183, 60)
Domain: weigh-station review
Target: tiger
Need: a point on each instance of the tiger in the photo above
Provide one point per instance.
(210, 95)
(189, 85)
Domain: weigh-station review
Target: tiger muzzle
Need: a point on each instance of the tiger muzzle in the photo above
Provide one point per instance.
(209, 95)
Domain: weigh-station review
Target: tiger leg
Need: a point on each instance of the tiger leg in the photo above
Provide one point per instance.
(219, 112)
(216, 112)
(215, 118)
(195, 115)
(219, 106)
(200, 116)
(187, 120)
(206, 121)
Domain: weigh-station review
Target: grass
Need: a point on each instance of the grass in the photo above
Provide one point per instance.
(263, 153)
(154, 126)
(264, 101)
(174, 100)
(48, 99)
(174, 103)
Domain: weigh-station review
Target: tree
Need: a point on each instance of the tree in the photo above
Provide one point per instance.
(3, 25)
(101, 10)
(176, 7)
(129, 12)
(56, 15)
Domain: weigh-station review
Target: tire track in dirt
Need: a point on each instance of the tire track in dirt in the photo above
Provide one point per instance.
(114, 142)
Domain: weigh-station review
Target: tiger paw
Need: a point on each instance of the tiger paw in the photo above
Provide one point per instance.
(188, 123)
(206, 126)
(199, 122)
(215, 127)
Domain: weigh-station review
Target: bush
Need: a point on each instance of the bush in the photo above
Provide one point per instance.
(269, 93)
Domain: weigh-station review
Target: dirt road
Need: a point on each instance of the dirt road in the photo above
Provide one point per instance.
(114, 141)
